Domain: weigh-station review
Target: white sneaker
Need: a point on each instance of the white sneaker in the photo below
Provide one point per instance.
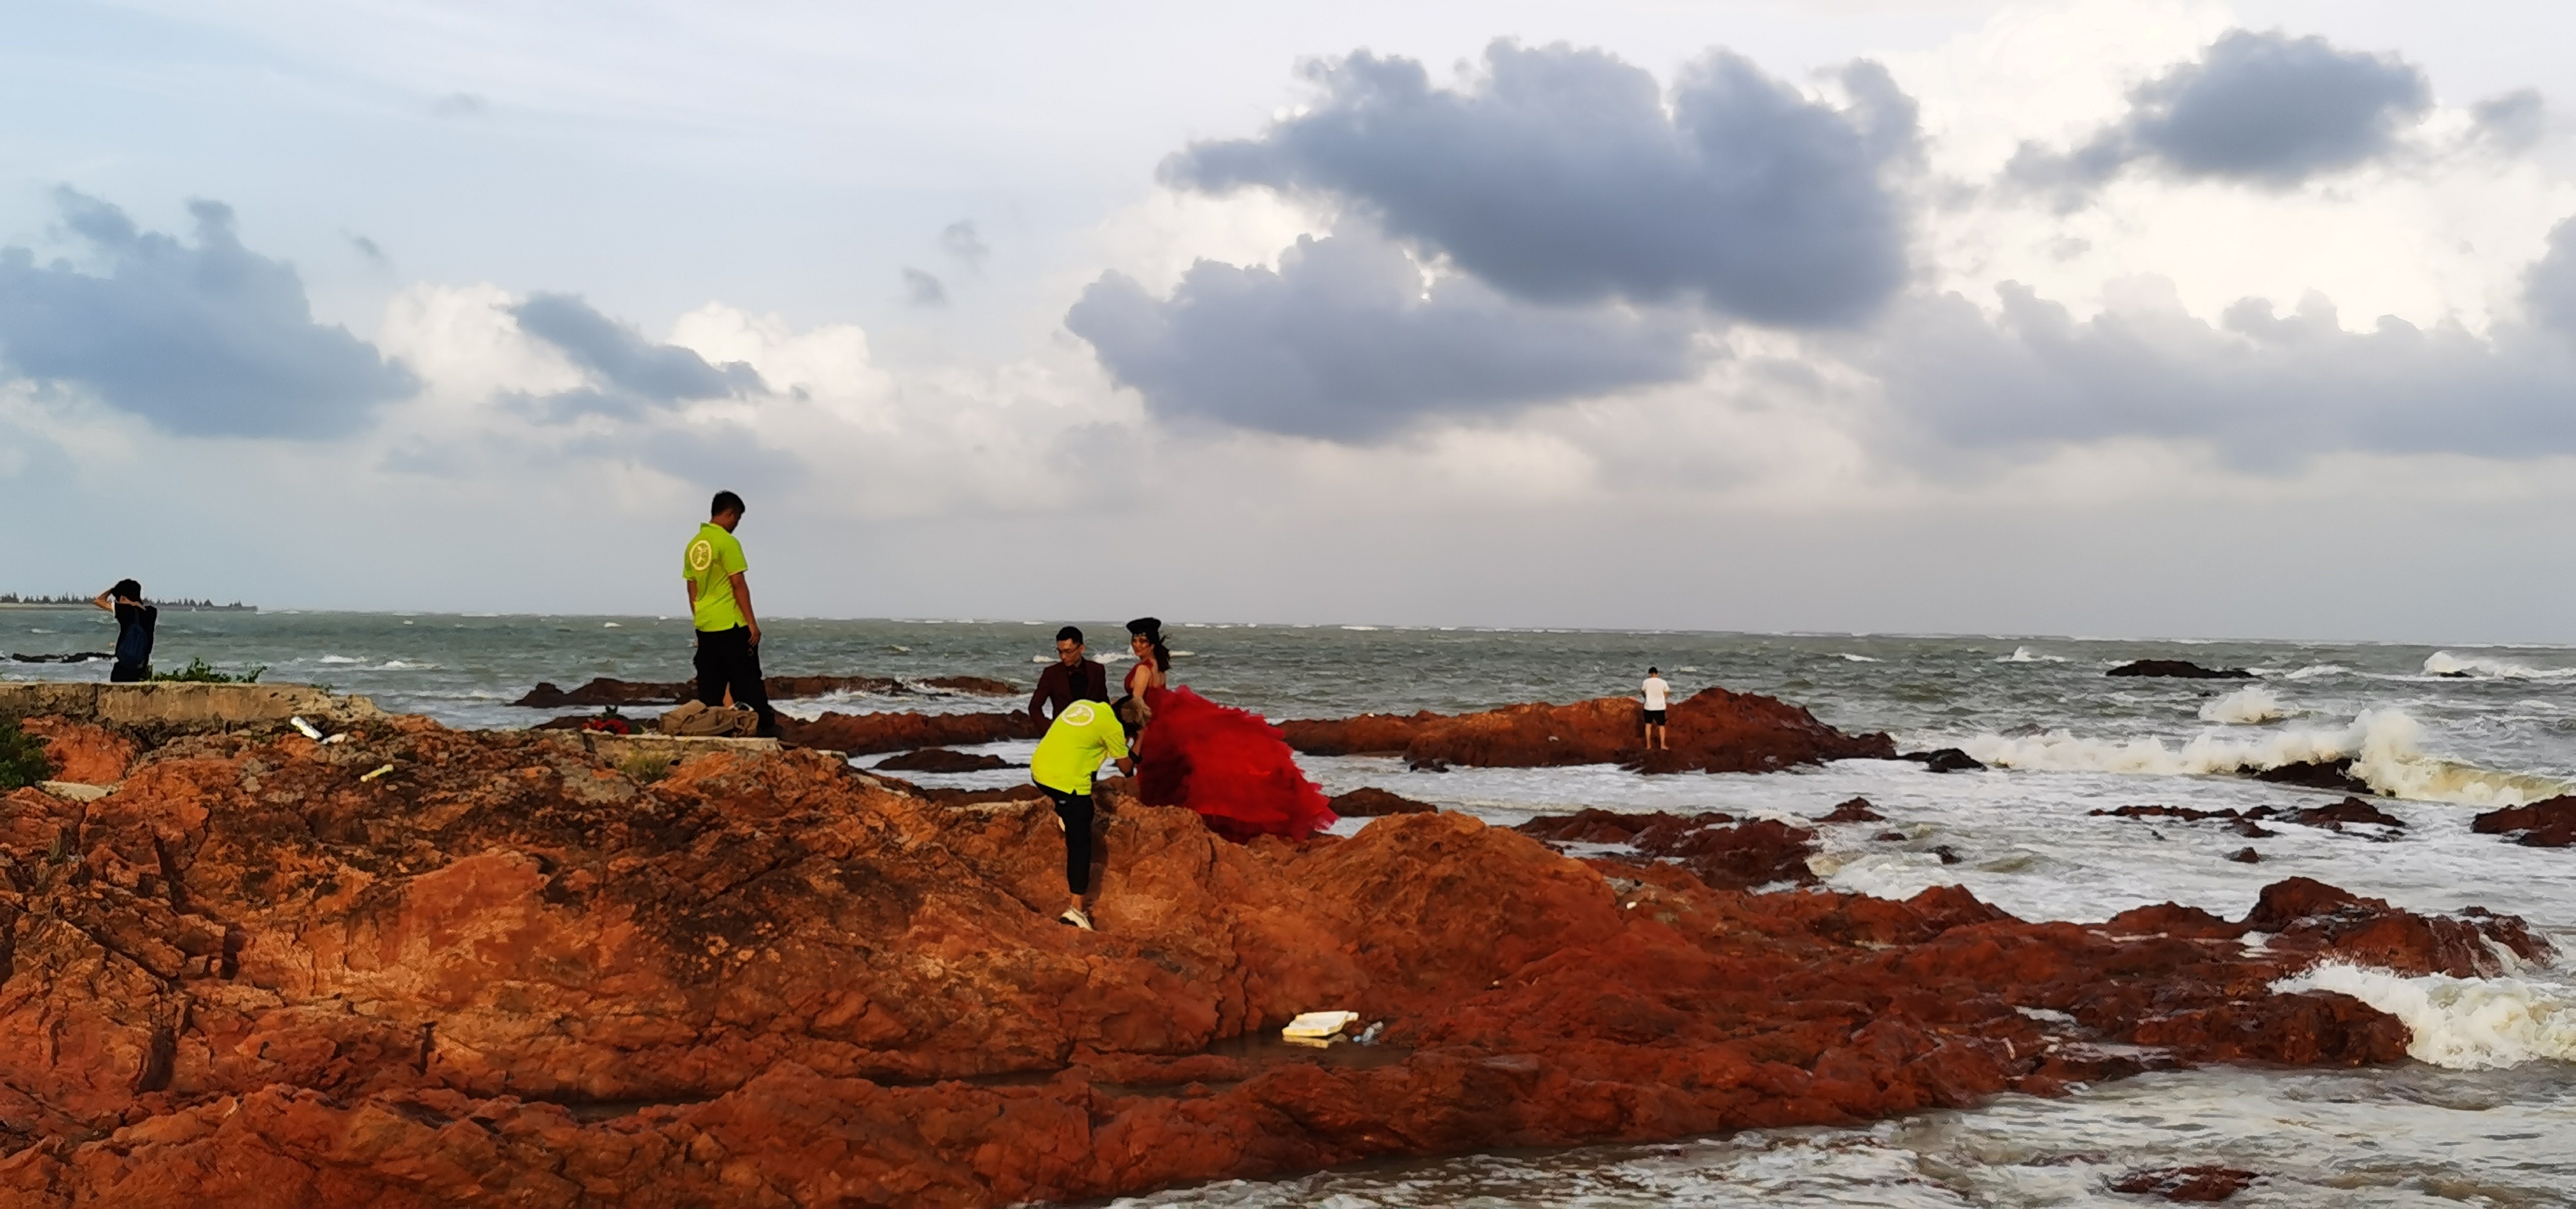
(1074, 916)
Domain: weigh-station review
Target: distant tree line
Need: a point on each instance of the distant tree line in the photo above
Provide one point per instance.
(10, 598)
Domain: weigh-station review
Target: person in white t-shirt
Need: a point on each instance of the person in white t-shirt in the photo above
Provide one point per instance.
(1658, 695)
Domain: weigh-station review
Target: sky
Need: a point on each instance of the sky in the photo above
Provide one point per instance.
(2104, 317)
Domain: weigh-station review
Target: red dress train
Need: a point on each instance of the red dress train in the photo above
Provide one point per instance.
(1227, 764)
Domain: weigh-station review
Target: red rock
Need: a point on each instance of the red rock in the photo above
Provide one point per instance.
(81, 751)
(2549, 823)
(1854, 811)
(606, 691)
(508, 974)
(866, 734)
(2185, 1183)
(1369, 802)
(1713, 730)
(2349, 810)
(1729, 858)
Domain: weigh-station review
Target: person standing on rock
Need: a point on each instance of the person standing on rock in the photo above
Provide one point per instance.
(1072, 677)
(1083, 735)
(134, 622)
(728, 631)
(1658, 695)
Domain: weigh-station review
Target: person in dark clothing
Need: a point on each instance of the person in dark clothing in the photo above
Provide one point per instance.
(728, 631)
(1071, 678)
(134, 622)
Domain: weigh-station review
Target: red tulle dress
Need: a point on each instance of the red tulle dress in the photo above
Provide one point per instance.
(1228, 765)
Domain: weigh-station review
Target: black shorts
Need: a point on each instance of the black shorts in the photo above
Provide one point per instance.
(1654, 717)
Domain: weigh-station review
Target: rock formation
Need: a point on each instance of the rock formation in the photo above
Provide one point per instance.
(2549, 823)
(1368, 802)
(83, 752)
(2179, 669)
(1713, 730)
(940, 759)
(606, 691)
(867, 734)
(506, 973)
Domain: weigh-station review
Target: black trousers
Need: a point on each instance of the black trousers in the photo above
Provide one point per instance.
(127, 673)
(1075, 811)
(726, 659)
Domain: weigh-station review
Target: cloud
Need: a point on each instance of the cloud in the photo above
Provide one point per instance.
(2259, 108)
(923, 289)
(2262, 388)
(2549, 288)
(1345, 342)
(204, 340)
(460, 105)
(961, 240)
(2513, 122)
(1562, 177)
(631, 375)
(372, 251)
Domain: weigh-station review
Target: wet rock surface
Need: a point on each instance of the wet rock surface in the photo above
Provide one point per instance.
(2332, 775)
(2179, 669)
(1945, 759)
(2549, 823)
(508, 974)
(2188, 1184)
(940, 759)
(1368, 801)
(2248, 822)
(1856, 810)
(1713, 730)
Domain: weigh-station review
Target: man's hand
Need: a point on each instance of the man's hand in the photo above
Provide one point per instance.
(755, 633)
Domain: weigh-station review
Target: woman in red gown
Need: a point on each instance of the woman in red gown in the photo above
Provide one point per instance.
(1227, 764)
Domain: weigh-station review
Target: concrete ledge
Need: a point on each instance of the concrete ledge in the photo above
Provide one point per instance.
(182, 706)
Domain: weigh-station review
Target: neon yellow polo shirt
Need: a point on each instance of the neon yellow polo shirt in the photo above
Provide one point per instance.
(709, 564)
(1076, 743)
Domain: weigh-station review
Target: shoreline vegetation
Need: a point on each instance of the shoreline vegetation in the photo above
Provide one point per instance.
(13, 600)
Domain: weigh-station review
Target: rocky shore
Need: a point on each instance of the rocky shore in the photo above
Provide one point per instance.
(1713, 730)
(427, 967)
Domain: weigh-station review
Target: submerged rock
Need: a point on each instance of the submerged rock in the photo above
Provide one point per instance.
(1713, 730)
(1854, 811)
(2185, 1183)
(2179, 669)
(1945, 759)
(2549, 823)
(507, 973)
(2334, 775)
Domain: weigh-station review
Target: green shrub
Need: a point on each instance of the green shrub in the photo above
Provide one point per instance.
(23, 760)
(199, 671)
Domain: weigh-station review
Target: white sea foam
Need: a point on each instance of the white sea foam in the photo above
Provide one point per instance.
(338, 659)
(1362, 628)
(1852, 658)
(2385, 747)
(2246, 707)
(2023, 654)
(2444, 663)
(2314, 670)
(612, 625)
(2460, 1023)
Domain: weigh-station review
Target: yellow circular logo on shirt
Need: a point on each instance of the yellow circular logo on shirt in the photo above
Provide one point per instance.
(701, 552)
(1078, 713)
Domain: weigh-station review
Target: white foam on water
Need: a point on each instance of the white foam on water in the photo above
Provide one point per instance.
(2023, 654)
(612, 625)
(2444, 663)
(2385, 746)
(2314, 670)
(338, 659)
(2246, 707)
(2461, 1023)
(1846, 656)
(1361, 628)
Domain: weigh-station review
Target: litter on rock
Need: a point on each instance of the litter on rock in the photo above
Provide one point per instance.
(1318, 1024)
(307, 729)
(377, 773)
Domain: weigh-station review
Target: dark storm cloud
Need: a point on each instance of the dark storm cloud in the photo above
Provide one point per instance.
(204, 340)
(923, 289)
(634, 375)
(1344, 343)
(1561, 177)
(2261, 387)
(2261, 108)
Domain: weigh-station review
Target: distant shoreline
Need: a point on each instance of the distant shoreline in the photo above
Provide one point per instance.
(56, 606)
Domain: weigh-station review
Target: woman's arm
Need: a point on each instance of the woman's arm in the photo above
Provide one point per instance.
(103, 602)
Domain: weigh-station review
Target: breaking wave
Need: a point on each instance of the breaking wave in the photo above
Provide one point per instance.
(2245, 707)
(2460, 1023)
(2023, 654)
(2444, 663)
(2385, 747)
(1846, 656)
(2314, 670)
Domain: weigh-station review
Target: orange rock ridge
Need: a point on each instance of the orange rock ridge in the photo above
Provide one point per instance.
(1713, 730)
(506, 973)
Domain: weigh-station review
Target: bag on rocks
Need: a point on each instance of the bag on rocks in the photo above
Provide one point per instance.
(696, 719)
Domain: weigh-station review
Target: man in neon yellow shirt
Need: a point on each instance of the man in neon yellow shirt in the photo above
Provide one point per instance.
(1081, 737)
(720, 609)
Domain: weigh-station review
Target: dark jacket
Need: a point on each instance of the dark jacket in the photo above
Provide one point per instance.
(134, 633)
(1060, 686)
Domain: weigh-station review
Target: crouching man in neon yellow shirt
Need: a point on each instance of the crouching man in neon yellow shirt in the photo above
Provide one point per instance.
(1076, 743)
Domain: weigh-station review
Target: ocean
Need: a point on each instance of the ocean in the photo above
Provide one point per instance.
(2484, 1115)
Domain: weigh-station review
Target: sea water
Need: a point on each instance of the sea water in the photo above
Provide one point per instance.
(2484, 1115)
